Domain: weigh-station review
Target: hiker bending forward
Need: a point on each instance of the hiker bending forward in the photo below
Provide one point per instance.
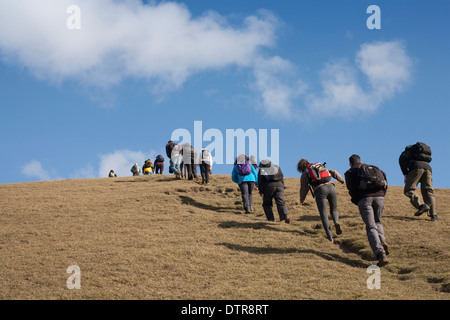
(323, 190)
(271, 186)
(415, 165)
(365, 192)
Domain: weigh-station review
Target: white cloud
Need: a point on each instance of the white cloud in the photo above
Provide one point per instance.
(34, 170)
(121, 162)
(162, 42)
(387, 69)
(278, 85)
(87, 171)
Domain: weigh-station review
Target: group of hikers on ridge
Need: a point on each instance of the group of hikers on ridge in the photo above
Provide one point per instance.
(184, 160)
(149, 167)
(366, 184)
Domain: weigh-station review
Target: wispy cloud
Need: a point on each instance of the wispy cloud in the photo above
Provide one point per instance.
(121, 161)
(278, 85)
(387, 70)
(34, 170)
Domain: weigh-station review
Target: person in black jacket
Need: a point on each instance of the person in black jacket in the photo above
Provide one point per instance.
(371, 206)
(271, 186)
(415, 165)
(159, 164)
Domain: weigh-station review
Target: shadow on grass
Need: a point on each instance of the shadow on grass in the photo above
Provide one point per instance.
(131, 181)
(323, 255)
(400, 218)
(167, 179)
(309, 218)
(256, 225)
(192, 202)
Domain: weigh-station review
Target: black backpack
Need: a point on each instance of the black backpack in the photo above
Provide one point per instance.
(421, 152)
(371, 178)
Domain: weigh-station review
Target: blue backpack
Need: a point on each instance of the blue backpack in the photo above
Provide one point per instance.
(244, 168)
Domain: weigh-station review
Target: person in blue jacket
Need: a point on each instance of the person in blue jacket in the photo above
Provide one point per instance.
(245, 175)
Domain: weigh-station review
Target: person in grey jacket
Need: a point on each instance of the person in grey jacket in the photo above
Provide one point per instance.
(325, 193)
(371, 206)
(135, 170)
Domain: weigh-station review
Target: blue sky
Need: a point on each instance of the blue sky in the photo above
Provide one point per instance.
(75, 103)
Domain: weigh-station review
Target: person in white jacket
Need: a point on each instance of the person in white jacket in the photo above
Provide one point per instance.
(206, 162)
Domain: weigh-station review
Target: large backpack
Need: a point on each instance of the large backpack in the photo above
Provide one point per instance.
(159, 158)
(421, 152)
(270, 172)
(318, 173)
(244, 168)
(148, 163)
(371, 178)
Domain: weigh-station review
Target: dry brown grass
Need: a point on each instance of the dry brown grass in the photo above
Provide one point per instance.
(152, 237)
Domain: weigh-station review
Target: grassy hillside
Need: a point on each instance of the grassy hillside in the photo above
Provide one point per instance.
(153, 237)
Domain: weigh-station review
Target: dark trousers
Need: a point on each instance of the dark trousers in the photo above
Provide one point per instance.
(325, 195)
(247, 195)
(275, 191)
(159, 168)
(191, 170)
(204, 170)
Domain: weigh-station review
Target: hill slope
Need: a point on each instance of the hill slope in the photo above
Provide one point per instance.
(152, 237)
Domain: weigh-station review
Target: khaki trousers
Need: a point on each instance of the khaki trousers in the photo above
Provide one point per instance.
(423, 177)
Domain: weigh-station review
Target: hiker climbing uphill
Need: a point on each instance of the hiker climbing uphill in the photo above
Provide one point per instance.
(135, 170)
(317, 178)
(159, 164)
(415, 165)
(244, 174)
(271, 186)
(367, 186)
(206, 162)
(175, 154)
(147, 168)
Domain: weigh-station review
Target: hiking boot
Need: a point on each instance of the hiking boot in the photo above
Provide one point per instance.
(422, 209)
(287, 220)
(386, 248)
(434, 218)
(252, 209)
(382, 259)
(338, 228)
